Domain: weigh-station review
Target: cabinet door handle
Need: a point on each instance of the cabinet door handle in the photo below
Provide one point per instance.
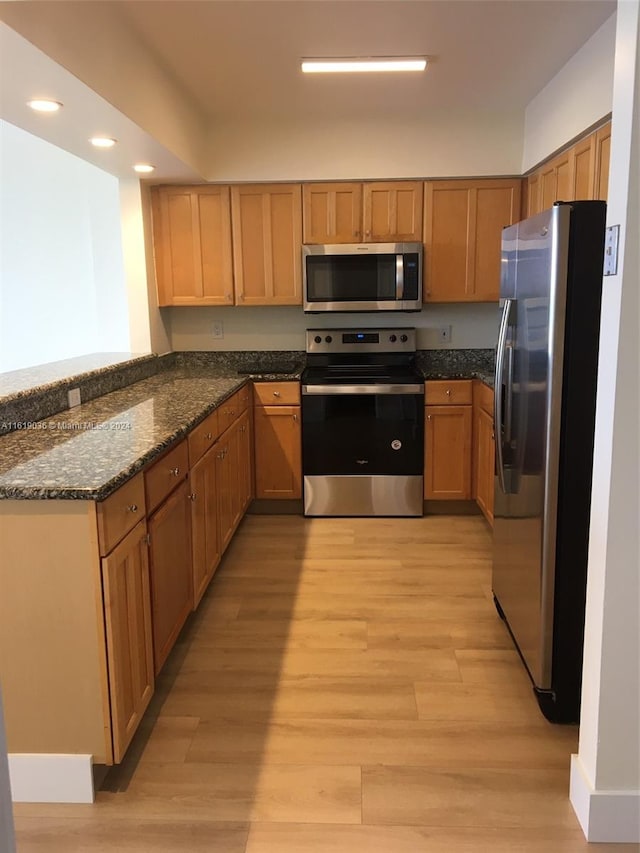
(209, 436)
(192, 497)
(132, 508)
(174, 472)
(295, 417)
(428, 417)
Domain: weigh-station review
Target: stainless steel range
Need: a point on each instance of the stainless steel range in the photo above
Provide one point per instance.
(362, 423)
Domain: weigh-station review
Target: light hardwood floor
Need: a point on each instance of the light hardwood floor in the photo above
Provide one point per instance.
(345, 687)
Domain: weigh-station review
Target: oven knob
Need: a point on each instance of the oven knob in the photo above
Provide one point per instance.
(393, 339)
(318, 339)
(328, 339)
(404, 338)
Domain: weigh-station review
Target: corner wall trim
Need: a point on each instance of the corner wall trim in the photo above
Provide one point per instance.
(46, 778)
(612, 816)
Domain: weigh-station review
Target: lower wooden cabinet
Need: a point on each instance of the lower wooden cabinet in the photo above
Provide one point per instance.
(205, 536)
(447, 452)
(483, 448)
(277, 440)
(171, 571)
(245, 461)
(127, 610)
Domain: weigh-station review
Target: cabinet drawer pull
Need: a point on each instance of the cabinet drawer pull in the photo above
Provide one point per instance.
(448, 392)
(175, 472)
(132, 508)
(276, 393)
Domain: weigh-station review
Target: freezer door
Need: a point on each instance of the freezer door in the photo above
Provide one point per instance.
(527, 426)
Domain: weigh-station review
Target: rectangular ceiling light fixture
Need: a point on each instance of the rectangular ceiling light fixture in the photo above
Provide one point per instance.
(364, 64)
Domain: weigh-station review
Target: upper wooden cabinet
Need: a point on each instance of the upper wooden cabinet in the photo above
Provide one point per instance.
(332, 213)
(463, 222)
(267, 238)
(602, 156)
(376, 211)
(579, 173)
(192, 245)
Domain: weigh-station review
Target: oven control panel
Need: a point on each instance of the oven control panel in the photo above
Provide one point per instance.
(361, 340)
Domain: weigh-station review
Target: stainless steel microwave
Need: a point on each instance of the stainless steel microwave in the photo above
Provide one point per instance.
(362, 277)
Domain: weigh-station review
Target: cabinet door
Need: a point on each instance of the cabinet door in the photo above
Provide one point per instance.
(463, 232)
(245, 445)
(496, 204)
(267, 244)
(192, 245)
(602, 154)
(486, 463)
(171, 572)
(583, 168)
(127, 607)
(534, 203)
(393, 211)
(204, 523)
(447, 452)
(226, 477)
(332, 213)
(278, 453)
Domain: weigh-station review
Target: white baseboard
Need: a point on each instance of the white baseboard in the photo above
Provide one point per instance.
(612, 816)
(44, 778)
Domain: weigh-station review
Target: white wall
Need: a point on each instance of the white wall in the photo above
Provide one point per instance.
(605, 784)
(283, 328)
(62, 288)
(438, 144)
(578, 97)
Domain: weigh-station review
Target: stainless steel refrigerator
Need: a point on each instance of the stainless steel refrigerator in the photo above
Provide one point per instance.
(545, 391)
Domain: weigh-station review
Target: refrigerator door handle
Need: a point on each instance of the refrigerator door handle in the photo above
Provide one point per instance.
(497, 398)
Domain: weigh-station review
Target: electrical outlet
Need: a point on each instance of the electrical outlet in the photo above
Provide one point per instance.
(217, 330)
(73, 397)
(444, 334)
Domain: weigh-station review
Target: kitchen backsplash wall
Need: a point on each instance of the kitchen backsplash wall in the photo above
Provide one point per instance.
(282, 328)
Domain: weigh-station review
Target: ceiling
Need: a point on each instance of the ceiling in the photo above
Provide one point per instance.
(242, 58)
(233, 60)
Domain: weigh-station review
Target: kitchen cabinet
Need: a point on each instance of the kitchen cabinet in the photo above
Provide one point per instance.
(483, 466)
(192, 245)
(332, 213)
(579, 173)
(127, 610)
(602, 159)
(448, 435)
(205, 538)
(170, 559)
(267, 240)
(375, 211)
(245, 462)
(277, 437)
(463, 222)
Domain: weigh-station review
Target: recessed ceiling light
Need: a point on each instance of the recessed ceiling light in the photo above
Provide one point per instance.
(363, 64)
(102, 141)
(44, 105)
(144, 167)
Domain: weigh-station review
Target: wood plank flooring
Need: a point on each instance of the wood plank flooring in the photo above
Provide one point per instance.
(345, 687)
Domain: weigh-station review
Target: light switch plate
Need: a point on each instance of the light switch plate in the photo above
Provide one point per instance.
(73, 397)
(611, 237)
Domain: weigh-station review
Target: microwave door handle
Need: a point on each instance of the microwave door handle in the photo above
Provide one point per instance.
(497, 398)
(399, 277)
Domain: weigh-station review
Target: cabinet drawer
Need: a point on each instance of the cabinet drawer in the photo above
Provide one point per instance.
(440, 392)
(202, 437)
(231, 409)
(483, 397)
(119, 513)
(163, 476)
(276, 393)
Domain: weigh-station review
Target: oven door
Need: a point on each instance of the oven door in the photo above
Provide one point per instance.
(363, 449)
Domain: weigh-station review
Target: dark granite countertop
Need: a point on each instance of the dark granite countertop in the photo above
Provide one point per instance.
(89, 451)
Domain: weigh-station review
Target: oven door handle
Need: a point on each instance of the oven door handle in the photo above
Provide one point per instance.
(363, 389)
